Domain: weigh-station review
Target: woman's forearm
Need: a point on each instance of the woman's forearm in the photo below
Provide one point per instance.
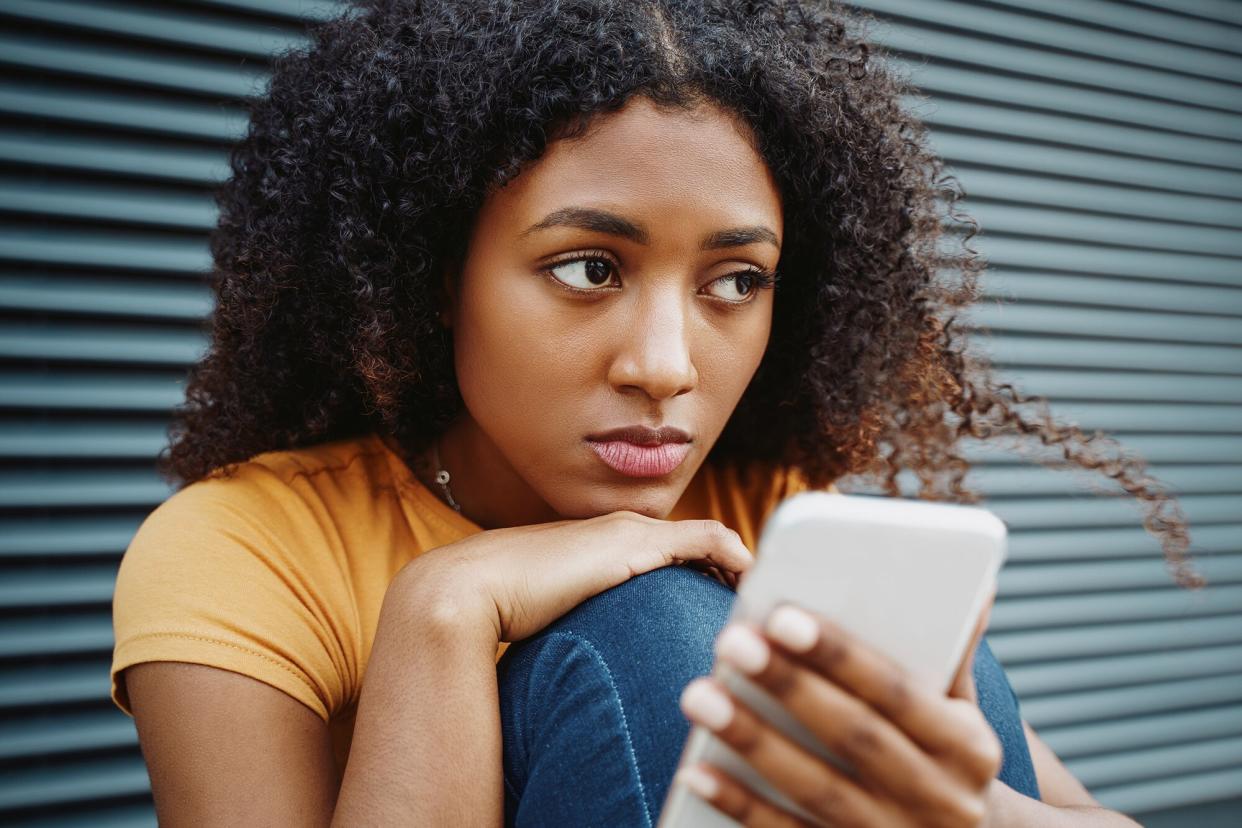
(426, 746)
(1009, 809)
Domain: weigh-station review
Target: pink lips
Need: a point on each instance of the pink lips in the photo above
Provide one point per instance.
(640, 461)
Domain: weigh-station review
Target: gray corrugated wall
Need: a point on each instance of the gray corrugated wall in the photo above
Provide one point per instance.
(1098, 142)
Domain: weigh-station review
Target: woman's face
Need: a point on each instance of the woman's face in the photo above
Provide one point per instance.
(656, 328)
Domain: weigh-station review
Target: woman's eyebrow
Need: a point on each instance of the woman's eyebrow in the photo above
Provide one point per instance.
(602, 221)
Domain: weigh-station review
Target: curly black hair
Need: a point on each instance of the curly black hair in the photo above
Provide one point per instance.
(371, 152)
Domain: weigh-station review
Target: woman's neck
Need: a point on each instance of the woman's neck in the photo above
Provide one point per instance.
(487, 488)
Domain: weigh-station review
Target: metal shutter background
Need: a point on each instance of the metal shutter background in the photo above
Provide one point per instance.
(1098, 142)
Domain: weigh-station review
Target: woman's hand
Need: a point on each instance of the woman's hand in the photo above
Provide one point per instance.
(525, 577)
(919, 758)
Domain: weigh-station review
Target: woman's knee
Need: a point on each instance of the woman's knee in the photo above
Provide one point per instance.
(669, 614)
(600, 687)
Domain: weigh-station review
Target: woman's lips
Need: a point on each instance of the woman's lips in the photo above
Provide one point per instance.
(640, 461)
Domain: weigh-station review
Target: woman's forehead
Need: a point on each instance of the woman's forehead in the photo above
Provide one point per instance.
(646, 159)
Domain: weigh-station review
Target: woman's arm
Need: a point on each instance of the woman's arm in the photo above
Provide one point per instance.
(226, 749)
(427, 744)
(1064, 801)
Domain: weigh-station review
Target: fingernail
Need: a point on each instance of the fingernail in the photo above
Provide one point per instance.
(746, 651)
(703, 702)
(793, 628)
(699, 781)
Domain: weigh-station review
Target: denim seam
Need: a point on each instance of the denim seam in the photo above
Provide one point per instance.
(625, 725)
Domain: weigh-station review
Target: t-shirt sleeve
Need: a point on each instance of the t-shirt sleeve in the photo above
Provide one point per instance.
(219, 575)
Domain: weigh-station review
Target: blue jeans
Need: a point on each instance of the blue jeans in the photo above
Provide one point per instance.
(589, 706)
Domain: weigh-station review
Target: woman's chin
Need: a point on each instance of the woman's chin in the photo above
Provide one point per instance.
(657, 503)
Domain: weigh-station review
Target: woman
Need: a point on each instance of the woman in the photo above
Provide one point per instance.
(519, 306)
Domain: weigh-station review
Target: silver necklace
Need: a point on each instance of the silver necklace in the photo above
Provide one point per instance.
(442, 475)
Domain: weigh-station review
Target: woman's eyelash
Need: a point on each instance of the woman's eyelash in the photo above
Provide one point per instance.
(764, 278)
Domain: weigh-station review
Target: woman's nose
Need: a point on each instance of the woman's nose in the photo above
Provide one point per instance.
(653, 353)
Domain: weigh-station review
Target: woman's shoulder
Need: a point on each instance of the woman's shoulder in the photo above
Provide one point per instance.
(362, 457)
(281, 481)
(280, 510)
(248, 569)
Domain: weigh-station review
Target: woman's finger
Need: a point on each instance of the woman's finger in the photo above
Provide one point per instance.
(883, 758)
(920, 712)
(709, 541)
(734, 799)
(814, 784)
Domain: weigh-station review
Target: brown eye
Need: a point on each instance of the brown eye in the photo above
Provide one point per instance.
(740, 286)
(583, 274)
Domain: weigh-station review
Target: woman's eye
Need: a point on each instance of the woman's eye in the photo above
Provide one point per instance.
(584, 274)
(738, 287)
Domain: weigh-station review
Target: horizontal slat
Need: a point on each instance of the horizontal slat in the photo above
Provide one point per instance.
(1115, 670)
(1149, 731)
(128, 111)
(79, 781)
(1156, 763)
(1211, 11)
(1152, 417)
(1172, 209)
(40, 684)
(66, 732)
(1054, 578)
(1092, 706)
(1116, 293)
(81, 489)
(297, 9)
(1097, 511)
(129, 204)
(86, 343)
(1123, 231)
(1120, 93)
(48, 293)
(130, 440)
(175, 26)
(966, 148)
(59, 634)
(1130, 605)
(132, 158)
(1062, 36)
(1017, 648)
(1118, 96)
(69, 585)
(75, 391)
(1035, 481)
(1050, 127)
(119, 814)
(1082, 352)
(67, 535)
(1154, 448)
(1163, 796)
(131, 66)
(1046, 544)
(1174, 791)
(125, 250)
(1146, 417)
(1045, 254)
(1168, 23)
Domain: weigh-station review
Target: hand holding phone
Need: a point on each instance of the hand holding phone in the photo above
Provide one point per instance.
(863, 703)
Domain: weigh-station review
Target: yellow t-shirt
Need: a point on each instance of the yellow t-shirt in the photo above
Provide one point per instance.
(279, 571)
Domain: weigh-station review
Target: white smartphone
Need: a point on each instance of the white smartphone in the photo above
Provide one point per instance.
(909, 578)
